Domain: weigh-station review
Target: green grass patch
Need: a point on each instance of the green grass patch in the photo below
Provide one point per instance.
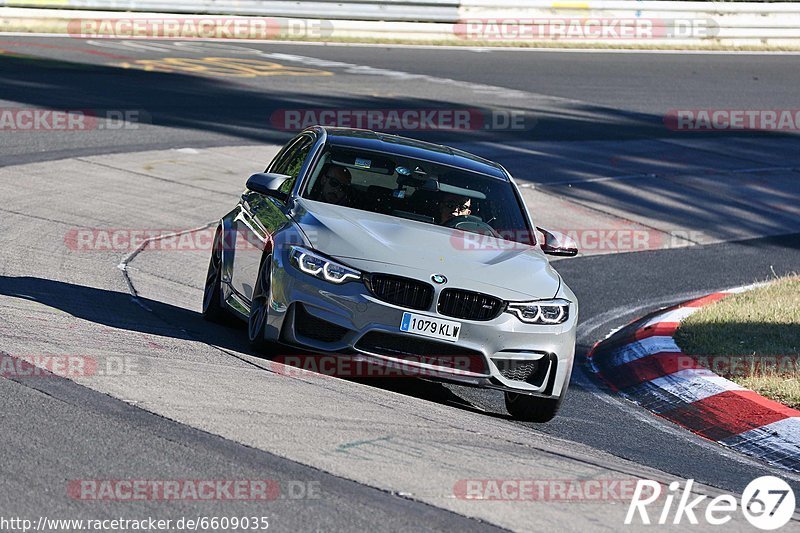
(760, 331)
(783, 389)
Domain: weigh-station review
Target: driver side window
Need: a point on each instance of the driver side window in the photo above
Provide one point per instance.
(291, 161)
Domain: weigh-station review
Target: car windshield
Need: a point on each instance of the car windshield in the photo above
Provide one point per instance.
(418, 190)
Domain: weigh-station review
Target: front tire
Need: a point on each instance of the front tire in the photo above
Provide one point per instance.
(259, 308)
(531, 408)
(213, 309)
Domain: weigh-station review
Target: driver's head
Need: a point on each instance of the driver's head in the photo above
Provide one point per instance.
(335, 184)
(452, 206)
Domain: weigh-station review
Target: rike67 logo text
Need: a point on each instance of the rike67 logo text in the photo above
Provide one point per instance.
(767, 503)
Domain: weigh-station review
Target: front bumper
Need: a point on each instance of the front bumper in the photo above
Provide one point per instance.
(503, 353)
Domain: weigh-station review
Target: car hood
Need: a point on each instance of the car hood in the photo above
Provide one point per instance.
(382, 243)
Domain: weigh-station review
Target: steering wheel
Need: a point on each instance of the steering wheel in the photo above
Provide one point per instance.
(471, 223)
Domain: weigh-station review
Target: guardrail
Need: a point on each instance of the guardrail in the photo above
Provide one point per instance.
(388, 10)
(654, 22)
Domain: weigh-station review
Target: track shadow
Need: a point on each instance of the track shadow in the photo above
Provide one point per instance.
(242, 112)
(247, 112)
(122, 311)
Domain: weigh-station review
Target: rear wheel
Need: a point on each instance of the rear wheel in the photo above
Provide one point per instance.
(531, 408)
(259, 307)
(213, 309)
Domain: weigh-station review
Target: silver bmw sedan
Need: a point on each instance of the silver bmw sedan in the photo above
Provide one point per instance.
(358, 244)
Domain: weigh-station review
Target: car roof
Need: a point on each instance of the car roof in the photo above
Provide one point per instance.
(406, 147)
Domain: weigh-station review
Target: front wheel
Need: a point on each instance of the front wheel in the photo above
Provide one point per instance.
(212, 293)
(531, 408)
(259, 308)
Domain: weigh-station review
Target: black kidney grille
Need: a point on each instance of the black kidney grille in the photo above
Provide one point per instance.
(470, 305)
(400, 291)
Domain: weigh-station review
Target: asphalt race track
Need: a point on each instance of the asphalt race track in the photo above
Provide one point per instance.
(592, 152)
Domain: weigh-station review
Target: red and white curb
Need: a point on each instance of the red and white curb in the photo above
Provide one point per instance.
(642, 362)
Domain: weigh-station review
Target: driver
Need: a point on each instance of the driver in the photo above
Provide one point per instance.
(451, 206)
(336, 185)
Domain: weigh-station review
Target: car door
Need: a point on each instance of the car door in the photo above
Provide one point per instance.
(261, 216)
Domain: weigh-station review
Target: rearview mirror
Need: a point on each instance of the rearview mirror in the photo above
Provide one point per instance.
(555, 243)
(269, 184)
(426, 184)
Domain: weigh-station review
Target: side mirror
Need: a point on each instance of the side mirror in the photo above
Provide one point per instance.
(558, 244)
(269, 184)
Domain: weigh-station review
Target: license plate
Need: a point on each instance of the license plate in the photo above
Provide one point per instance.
(428, 326)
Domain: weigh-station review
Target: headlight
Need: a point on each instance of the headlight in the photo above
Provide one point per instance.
(321, 267)
(541, 312)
